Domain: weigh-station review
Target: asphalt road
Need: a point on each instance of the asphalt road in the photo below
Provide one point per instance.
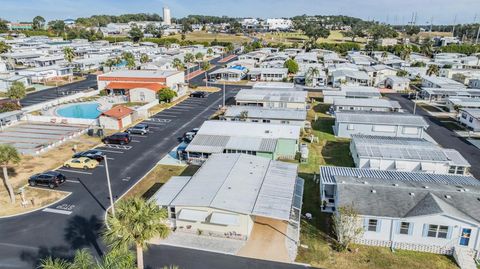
(444, 136)
(56, 92)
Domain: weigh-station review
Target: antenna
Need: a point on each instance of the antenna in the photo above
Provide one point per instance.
(454, 24)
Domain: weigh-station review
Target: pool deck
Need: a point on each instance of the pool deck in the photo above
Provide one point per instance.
(105, 104)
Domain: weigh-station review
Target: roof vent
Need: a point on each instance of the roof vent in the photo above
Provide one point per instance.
(466, 189)
(448, 196)
(461, 190)
(412, 194)
(395, 185)
(343, 182)
(425, 187)
(365, 182)
(374, 191)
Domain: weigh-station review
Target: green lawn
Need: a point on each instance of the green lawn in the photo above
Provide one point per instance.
(316, 233)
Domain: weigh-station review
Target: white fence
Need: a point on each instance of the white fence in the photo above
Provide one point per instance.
(54, 119)
(142, 112)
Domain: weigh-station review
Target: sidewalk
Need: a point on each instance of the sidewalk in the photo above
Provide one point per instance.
(228, 58)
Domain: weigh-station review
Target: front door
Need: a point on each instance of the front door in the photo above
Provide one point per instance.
(465, 237)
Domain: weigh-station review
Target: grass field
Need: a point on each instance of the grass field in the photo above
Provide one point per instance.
(295, 37)
(202, 36)
(318, 245)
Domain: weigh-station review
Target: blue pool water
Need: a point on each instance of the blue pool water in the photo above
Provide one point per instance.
(80, 111)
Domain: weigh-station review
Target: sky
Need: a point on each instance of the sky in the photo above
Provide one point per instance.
(390, 11)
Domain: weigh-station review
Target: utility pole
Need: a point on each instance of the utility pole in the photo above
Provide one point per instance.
(224, 93)
(478, 34)
(415, 103)
(109, 186)
(454, 24)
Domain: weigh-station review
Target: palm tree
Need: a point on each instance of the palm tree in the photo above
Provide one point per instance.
(68, 54)
(8, 155)
(188, 58)
(311, 73)
(84, 260)
(209, 51)
(427, 48)
(406, 52)
(177, 63)
(205, 67)
(144, 58)
(199, 56)
(433, 70)
(136, 222)
(384, 55)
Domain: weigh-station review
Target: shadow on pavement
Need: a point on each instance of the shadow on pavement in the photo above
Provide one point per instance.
(82, 232)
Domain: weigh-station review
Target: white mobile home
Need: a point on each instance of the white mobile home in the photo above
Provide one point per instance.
(405, 154)
(272, 98)
(353, 92)
(266, 115)
(471, 118)
(231, 194)
(379, 123)
(406, 210)
(440, 82)
(365, 104)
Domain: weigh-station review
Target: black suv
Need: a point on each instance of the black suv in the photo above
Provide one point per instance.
(198, 94)
(51, 179)
(118, 138)
(138, 129)
(92, 154)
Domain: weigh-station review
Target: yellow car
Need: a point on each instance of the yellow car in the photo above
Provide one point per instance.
(82, 162)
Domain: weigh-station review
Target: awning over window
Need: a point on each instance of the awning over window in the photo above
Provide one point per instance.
(225, 219)
(192, 215)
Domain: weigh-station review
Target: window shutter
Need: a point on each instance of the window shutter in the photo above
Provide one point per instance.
(397, 226)
(365, 224)
(379, 225)
(449, 233)
(410, 228)
(425, 230)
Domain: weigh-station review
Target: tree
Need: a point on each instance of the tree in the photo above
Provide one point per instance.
(136, 222)
(346, 226)
(83, 259)
(3, 26)
(378, 31)
(129, 59)
(152, 29)
(177, 63)
(166, 95)
(4, 47)
(17, 91)
(418, 64)
(311, 73)
(186, 27)
(144, 58)
(412, 30)
(57, 26)
(402, 73)
(291, 65)
(68, 54)
(8, 155)
(188, 58)
(427, 47)
(205, 67)
(135, 33)
(433, 70)
(357, 30)
(210, 51)
(406, 52)
(38, 23)
(199, 56)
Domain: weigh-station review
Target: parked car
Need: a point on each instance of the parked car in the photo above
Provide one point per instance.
(92, 154)
(117, 138)
(51, 179)
(188, 137)
(195, 130)
(138, 129)
(82, 163)
(198, 94)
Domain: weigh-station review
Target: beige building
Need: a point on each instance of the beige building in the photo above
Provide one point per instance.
(116, 118)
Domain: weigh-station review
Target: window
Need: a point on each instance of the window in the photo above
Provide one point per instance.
(437, 231)
(410, 130)
(350, 127)
(470, 119)
(460, 170)
(404, 227)
(372, 225)
(452, 170)
(384, 128)
(266, 121)
(285, 122)
(464, 115)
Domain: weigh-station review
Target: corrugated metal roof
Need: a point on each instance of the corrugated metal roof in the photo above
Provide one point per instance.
(208, 143)
(257, 112)
(380, 118)
(271, 96)
(328, 174)
(249, 129)
(240, 183)
(169, 190)
(366, 102)
(456, 158)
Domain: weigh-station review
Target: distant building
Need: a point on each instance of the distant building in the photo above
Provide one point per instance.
(278, 24)
(21, 26)
(167, 17)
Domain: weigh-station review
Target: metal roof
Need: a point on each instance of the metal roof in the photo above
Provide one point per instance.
(257, 112)
(366, 102)
(380, 118)
(239, 183)
(475, 112)
(249, 129)
(271, 96)
(329, 173)
(217, 144)
(169, 190)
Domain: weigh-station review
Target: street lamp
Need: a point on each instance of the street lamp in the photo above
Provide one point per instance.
(109, 185)
(415, 103)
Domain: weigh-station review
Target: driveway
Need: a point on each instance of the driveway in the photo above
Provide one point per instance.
(267, 241)
(444, 136)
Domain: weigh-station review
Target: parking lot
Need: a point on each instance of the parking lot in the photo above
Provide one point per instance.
(31, 138)
(128, 163)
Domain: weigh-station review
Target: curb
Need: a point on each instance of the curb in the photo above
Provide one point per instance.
(37, 209)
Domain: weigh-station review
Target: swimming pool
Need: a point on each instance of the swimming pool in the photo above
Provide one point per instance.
(80, 111)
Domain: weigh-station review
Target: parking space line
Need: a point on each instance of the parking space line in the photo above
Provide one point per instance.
(108, 158)
(112, 151)
(101, 165)
(135, 141)
(72, 181)
(134, 135)
(58, 211)
(156, 123)
(73, 171)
